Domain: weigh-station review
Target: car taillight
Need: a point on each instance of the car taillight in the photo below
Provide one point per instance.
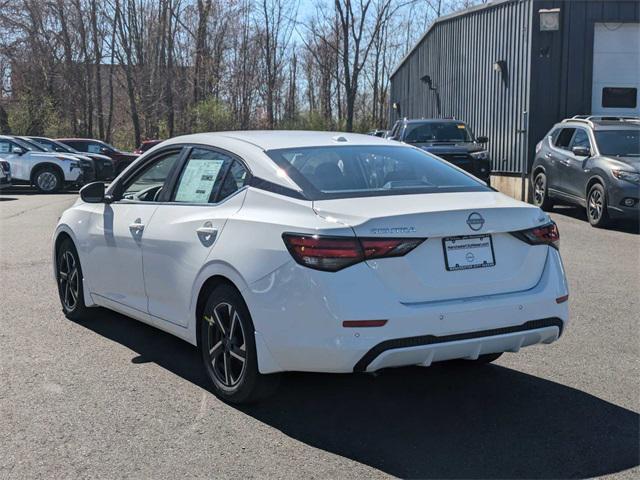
(545, 235)
(335, 253)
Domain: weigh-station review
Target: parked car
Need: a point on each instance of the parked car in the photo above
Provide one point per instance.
(86, 164)
(121, 160)
(593, 162)
(47, 171)
(5, 174)
(103, 165)
(449, 139)
(312, 251)
(146, 145)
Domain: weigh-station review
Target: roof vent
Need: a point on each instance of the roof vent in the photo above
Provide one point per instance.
(339, 138)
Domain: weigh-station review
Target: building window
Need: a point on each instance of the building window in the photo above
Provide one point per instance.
(619, 97)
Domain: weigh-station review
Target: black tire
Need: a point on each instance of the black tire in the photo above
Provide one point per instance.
(597, 206)
(541, 192)
(228, 349)
(47, 180)
(69, 279)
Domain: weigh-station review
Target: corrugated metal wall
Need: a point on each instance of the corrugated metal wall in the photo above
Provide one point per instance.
(459, 54)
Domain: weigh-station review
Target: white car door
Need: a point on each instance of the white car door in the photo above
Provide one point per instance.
(116, 233)
(183, 232)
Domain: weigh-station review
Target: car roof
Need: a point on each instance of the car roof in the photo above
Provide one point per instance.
(432, 120)
(603, 122)
(276, 139)
(252, 145)
(77, 139)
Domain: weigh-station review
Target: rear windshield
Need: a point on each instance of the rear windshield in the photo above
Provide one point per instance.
(433, 132)
(618, 142)
(360, 171)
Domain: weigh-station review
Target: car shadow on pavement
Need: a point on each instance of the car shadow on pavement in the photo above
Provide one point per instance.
(443, 421)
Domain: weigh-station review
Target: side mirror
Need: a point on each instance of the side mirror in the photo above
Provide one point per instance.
(18, 150)
(92, 192)
(104, 150)
(483, 139)
(581, 151)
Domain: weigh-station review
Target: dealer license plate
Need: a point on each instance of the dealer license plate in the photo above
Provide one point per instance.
(472, 251)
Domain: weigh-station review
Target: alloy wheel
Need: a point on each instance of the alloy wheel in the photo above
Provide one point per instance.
(69, 280)
(226, 344)
(47, 181)
(595, 204)
(539, 189)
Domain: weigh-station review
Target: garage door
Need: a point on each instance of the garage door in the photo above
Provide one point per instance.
(616, 69)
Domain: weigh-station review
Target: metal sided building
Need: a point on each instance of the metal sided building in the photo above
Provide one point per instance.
(511, 69)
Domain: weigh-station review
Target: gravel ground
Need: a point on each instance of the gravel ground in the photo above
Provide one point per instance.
(113, 398)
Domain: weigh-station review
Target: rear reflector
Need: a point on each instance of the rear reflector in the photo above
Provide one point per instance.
(363, 323)
(545, 235)
(331, 254)
(562, 299)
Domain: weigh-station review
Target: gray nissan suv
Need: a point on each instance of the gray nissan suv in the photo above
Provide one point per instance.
(591, 161)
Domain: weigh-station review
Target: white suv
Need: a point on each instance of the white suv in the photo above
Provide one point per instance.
(47, 171)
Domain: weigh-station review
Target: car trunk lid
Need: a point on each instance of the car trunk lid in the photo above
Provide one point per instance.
(423, 274)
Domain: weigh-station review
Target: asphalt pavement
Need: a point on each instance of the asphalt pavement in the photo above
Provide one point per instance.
(114, 398)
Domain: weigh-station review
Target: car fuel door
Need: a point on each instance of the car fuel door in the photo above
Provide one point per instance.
(186, 229)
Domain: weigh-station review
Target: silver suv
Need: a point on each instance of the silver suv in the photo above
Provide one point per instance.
(593, 162)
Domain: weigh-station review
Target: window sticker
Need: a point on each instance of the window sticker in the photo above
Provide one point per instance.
(197, 181)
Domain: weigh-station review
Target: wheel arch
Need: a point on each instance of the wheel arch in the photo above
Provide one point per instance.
(225, 275)
(536, 170)
(207, 288)
(591, 182)
(38, 167)
(62, 233)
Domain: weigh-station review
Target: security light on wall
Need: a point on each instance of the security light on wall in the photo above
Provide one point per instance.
(549, 19)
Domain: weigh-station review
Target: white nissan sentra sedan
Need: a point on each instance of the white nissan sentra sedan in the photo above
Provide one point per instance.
(312, 251)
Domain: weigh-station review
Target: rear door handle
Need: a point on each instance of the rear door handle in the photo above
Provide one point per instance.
(207, 231)
(207, 234)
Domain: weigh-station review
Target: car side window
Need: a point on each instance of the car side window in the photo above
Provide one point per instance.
(202, 176)
(5, 146)
(235, 179)
(581, 139)
(94, 148)
(146, 185)
(564, 138)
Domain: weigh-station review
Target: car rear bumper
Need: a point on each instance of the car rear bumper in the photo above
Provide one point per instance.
(427, 349)
(299, 313)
